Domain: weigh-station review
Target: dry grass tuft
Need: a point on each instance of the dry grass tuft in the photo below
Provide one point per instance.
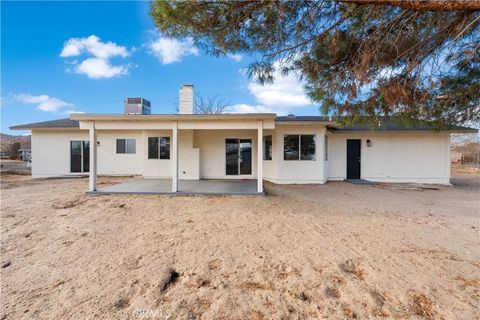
(348, 312)
(256, 315)
(468, 282)
(422, 305)
(70, 204)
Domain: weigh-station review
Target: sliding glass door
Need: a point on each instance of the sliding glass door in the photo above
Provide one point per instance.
(79, 156)
(238, 155)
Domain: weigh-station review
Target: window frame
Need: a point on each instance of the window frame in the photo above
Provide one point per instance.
(159, 148)
(270, 137)
(300, 147)
(127, 149)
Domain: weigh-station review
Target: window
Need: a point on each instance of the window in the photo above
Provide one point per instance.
(158, 148)
(267, 148)
(326, 148)
(152, 148)
(126, 146)
(299, 147)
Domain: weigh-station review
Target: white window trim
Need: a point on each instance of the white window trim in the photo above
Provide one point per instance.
(169, 149)
(126, 146)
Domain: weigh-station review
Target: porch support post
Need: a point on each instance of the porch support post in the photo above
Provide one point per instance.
(260, 157)
(175, 157)
(92, 182)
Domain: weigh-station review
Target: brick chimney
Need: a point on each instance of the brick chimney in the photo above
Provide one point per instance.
(185, 99)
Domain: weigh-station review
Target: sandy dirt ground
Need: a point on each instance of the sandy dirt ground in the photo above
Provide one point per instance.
(334, 251)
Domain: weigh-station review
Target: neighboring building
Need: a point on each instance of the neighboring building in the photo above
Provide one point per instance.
(302, 149)
(25, 154)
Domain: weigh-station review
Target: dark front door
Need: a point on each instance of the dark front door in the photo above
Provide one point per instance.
(79, 156)
(353, 158)
(238, 156)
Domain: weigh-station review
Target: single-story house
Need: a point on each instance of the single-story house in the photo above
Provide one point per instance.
(262, 146)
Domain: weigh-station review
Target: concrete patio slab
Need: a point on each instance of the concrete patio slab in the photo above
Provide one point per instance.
(185, 187)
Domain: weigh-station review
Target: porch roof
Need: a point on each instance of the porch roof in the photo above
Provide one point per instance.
(173, 117)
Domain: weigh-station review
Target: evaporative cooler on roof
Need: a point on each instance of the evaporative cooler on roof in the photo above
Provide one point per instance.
(136, 106)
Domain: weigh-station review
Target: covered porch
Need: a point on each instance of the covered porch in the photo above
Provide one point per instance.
(207, 154)
(185, 187)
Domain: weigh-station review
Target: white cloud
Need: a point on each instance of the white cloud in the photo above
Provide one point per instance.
(68, 112)
(247, 108)
(98, 66)
(285, 92)
(43, 102)
(172, 50)
(237, 57)
(94, 46)
(282, 96)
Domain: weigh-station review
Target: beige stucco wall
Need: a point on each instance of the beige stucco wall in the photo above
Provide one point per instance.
(394, 157)
(211, 144)
(155, 168)
(111, 163)
(280, 171)
(51, 151)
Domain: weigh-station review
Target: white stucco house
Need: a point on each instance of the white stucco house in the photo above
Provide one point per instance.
(261, 146)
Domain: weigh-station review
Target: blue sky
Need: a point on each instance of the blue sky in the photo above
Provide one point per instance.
(62, 57)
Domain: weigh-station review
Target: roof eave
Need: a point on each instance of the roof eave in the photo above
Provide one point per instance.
(21, 127)
(172, 117)
(463, 130)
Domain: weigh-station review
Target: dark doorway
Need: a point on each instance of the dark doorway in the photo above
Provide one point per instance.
(353, 158)
(79, 156)
(238, 155)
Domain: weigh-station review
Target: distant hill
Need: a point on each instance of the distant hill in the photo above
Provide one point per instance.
(6, 140)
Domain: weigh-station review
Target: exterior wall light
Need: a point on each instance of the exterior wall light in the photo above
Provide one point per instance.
(369, 143)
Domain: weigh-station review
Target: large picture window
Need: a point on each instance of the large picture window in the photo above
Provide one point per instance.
(159, 148)
(267, 148)
(299, 147)
(126, 146)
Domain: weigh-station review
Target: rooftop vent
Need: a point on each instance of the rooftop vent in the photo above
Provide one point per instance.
(136, 106)
(291, 116)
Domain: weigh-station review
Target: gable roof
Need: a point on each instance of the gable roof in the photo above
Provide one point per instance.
(59, 123)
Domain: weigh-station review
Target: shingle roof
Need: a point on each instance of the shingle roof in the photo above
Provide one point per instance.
(59, 123)
(395, 124)
(384, 124)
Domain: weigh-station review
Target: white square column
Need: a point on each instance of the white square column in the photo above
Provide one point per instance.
(92, 182)
(174, 145)
(260, 157)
